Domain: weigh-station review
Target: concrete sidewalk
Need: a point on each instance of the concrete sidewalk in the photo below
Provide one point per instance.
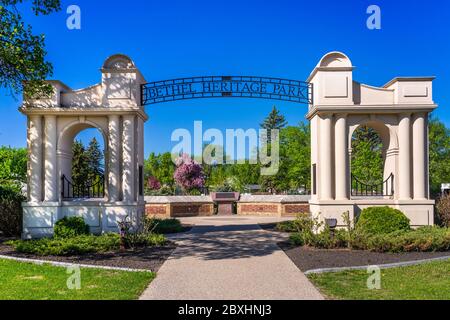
(229, 258)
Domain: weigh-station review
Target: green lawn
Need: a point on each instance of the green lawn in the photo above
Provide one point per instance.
(26, 281)
(429, 281)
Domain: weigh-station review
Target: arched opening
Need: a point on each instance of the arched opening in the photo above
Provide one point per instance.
(82, 158)
(372, 173)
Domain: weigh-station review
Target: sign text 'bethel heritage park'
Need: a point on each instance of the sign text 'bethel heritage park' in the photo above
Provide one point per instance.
(227, 86)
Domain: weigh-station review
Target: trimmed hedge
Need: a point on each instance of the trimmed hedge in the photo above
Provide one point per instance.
(70, 227)
(381, 220)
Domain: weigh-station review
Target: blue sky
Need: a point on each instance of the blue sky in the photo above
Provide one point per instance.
(171, 39)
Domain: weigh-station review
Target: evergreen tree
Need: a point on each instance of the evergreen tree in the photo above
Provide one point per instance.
(274, 121)
(80, 164)
(94, 158)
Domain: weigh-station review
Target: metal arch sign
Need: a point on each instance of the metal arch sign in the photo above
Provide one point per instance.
(227, 86)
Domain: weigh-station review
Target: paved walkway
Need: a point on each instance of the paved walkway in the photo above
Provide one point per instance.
(229, 258)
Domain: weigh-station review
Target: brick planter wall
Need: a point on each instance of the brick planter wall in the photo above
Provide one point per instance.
(275, 206)
(262, 209)
(156, 210)
(292, 210)
(191, 210)
(173, 207)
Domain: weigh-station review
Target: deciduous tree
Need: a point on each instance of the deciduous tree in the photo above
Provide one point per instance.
(439, 155)
(22, 54)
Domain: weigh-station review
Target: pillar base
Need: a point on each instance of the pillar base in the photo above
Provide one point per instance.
(39, 218)
(419, 212)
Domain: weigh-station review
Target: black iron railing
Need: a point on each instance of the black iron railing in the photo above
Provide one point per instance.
(383, 189)
(88, 190)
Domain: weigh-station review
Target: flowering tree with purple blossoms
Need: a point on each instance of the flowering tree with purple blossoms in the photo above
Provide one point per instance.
(153, 183)
(189, 174)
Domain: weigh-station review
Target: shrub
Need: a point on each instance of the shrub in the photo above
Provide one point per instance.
(70, 227)
(166, 225)
(306, 228)
(296, 239)
(381, 220)
(426, 239)
(286, 226)
(326, 239)
(143, 237)
(11, 199)
(136, 240)
(68, 246)
(443, 210)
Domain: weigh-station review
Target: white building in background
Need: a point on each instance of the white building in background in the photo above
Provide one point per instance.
(398, 112)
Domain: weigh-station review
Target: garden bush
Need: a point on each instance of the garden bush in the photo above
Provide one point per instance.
(84, 244)
(137, 240)
(443, 210)
(165, 225)
(286, 226)
(381, 220)
(425, 239)
(11, 199)
(70, 227)
(326, 239)
(68, 246)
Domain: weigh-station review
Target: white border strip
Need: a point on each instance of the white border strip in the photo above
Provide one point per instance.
(381, 266)
(67, 264)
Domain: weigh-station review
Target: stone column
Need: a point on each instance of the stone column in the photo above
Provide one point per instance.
(128, 159)
(404, 157)
(114, 158)
(35, 158)
(51, 174)
(341, 157)
(419, 155)
(326, 185)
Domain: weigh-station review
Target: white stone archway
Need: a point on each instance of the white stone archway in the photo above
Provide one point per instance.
(113, 107)
(398, 111)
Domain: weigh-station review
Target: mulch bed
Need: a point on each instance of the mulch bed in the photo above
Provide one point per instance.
(310, 258)
(151, 258)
